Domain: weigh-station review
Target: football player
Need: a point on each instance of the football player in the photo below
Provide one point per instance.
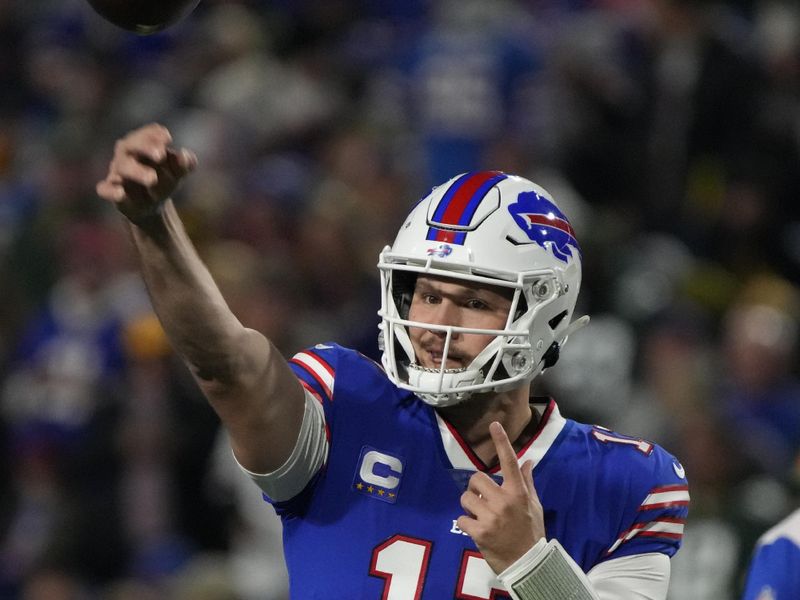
(774, 571)
(434, 475)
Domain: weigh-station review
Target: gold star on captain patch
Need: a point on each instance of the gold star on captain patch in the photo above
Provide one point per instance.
(381, 492)
(391, 495)
(360, 485)
(370, 488)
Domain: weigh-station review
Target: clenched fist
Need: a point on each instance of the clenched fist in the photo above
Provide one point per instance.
(144, 172)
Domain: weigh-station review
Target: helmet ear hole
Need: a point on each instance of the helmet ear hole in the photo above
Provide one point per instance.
(403, 284)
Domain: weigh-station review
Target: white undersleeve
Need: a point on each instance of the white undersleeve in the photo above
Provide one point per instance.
(636, 577)
(309, 454)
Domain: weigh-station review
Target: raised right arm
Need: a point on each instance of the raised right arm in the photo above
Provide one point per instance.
(244, 377)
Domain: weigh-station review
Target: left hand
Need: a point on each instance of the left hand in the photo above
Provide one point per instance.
(506, 520)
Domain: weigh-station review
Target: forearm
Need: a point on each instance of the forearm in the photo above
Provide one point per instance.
(195, 316)
(244, 377)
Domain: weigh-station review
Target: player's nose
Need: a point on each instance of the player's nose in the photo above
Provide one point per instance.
(446, 314)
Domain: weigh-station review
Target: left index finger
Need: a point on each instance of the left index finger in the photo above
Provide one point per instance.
(512, 476)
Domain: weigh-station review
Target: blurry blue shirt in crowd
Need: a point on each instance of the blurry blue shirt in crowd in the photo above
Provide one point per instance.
(466, 76)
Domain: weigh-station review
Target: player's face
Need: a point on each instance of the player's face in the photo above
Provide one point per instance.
(442, 301)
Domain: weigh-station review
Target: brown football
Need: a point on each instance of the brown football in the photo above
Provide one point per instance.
(143, 16)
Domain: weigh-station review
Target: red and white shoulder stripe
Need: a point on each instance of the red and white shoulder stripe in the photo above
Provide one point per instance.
(315, 373)
(666, 496)
(664, 527)
(668, 526)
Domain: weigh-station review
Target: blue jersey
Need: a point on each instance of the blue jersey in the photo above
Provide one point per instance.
(774, 572)
(379, 520)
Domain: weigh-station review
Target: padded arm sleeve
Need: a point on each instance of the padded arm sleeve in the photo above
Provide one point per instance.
(547, 571)
(309, 454)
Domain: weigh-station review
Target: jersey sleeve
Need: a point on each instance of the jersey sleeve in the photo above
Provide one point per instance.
(657, 501)
(315, 368)
(774, 572)
(288, 488)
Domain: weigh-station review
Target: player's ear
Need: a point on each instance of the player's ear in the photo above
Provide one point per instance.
(403, 285)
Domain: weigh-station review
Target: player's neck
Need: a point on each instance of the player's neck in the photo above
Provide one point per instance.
(472, 418)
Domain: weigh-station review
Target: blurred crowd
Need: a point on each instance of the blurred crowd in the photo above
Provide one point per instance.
(669, 130)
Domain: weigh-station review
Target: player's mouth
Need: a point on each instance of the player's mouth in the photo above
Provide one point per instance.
(432, 359)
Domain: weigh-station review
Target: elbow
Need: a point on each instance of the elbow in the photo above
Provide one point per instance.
(216, 371)
(220, 372)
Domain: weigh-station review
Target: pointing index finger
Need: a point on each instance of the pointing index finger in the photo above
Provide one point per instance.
(512, 477)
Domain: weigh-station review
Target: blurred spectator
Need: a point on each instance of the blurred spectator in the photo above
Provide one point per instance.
(72, 346)
(777, 48)
(54, 585)
(760, 395)
(255, 558)
(467, 83)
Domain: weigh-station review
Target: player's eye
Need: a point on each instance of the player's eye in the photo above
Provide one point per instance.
(476, 304)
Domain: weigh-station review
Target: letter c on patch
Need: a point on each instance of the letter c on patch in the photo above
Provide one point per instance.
(390, 464)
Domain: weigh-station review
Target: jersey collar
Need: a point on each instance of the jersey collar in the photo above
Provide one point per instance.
(461, 455)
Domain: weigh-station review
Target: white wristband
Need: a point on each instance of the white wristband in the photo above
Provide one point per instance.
(545, 572)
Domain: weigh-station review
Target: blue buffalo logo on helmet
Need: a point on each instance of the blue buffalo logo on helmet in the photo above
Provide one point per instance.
(545, 224)
(441, 251)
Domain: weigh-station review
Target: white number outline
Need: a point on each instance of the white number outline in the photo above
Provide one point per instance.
(422, 568)
(387, 576)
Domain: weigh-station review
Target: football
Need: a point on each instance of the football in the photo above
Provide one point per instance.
(143, 16)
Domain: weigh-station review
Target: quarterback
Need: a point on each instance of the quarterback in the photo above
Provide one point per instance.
(434, 474)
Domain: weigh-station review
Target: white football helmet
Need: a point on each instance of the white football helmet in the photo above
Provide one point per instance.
(488, 228)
